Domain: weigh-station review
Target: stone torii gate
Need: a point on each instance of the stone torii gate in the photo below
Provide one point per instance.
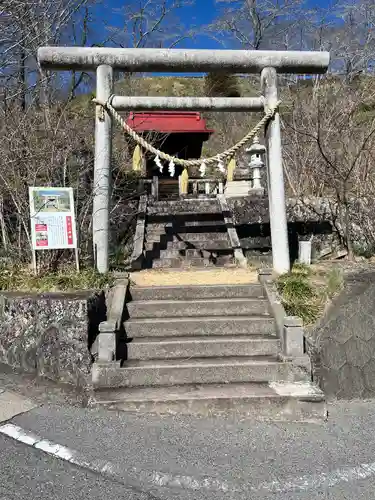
(266, 63)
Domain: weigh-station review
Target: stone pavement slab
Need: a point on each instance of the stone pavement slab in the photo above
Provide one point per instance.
(12, 404)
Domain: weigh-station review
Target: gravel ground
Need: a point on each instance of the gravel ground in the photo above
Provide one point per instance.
(232, 276)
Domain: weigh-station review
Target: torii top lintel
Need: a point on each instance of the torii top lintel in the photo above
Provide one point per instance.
(184, 60)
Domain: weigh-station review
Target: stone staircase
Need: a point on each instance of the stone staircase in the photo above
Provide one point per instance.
(186, 233)
(205, 350)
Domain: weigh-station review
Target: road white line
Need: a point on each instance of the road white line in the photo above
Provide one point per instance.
(190, 483)
(54, 449)
(30, 439)
(302, 483)
(72, 456)
(325, 480)
(160, 479)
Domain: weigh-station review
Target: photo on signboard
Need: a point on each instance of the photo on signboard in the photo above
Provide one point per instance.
(50, 201)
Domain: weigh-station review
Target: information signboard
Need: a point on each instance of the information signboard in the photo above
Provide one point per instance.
(53, 224)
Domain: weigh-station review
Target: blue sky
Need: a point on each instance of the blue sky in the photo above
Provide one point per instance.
(201, 13)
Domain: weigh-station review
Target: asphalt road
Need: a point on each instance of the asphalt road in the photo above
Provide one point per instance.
(28, 473)
(189, 458)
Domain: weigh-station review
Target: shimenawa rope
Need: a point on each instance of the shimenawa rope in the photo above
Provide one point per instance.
(202, 162)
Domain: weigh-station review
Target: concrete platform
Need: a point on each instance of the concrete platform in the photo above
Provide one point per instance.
(292, 401)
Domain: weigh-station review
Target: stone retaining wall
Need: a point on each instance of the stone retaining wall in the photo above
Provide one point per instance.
(50, 334)
(343, 344)
(321, 218)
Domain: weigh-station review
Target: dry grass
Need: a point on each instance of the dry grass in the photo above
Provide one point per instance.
(166, 277)
(21, 278)
(306, 291)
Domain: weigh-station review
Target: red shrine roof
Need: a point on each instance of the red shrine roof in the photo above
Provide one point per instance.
(168, 122)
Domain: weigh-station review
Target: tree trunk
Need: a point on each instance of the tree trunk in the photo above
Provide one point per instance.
(4, 235)
(347, 231)
(23, 80)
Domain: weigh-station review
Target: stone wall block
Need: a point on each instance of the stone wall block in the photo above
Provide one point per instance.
(352, 384)
(357, 352)
(345, 340)
(47, 353)
(48, 334)
(333, 355)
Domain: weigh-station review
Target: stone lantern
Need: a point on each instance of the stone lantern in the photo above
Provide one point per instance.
(256, 152)
(246, 177)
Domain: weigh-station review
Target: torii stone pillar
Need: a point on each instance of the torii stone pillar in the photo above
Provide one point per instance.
(275, 176)
(102, 170)
(105, 60)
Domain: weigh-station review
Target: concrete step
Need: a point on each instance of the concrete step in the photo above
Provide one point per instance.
(166, 372)
(187, 218)
(210, 245)
(186, 209)
(185, 201)
(255, 242)
(218, 238)
(290, 401)
(203, 325)
(202, 347)
(172, 253)
(196, 292)
(195, 226)
(195, 308)
(186, 237)
(187, 206)
(259, 259)
(178, 263)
